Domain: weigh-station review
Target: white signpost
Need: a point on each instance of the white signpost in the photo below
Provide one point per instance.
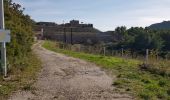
(4, 37)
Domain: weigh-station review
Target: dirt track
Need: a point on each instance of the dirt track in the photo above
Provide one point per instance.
(67, 78)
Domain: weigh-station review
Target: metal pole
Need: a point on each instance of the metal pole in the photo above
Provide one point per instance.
(65, 41)
(3, 47)
(64, 33)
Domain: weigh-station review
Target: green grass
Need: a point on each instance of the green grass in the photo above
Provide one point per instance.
(20, 78)
(130, 78)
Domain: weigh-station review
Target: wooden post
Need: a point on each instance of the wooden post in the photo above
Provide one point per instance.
(80, 48)
(104, 51)
(122, 52)
(157, 55)
(147, 56)
(166, 58)
(65, 35)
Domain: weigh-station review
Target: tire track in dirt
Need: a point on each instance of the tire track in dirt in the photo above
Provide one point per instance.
(67, 78)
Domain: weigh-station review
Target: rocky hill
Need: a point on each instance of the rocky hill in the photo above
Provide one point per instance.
(165, 25)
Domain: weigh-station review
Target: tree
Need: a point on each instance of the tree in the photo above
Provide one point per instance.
(120, 32)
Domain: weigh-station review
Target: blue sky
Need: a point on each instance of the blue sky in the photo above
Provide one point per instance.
(104, 14)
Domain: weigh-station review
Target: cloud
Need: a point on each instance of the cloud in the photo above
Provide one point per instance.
(104, 14)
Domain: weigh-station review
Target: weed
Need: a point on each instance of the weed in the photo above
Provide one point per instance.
(146, 95)
(20, 79)
(162, 83)
(168, 91)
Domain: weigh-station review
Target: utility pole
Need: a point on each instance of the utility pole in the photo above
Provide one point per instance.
(42, 33)
(64, 31)
(104, 51)
(65, 37)
(3, 46)
(71, 36)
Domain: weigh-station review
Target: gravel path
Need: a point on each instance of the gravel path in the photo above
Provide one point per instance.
(67, 78)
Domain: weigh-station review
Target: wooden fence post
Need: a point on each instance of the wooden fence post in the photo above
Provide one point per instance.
(147, 56)
(122, 52)
(157, 55)
(80, 48)
(104, 51)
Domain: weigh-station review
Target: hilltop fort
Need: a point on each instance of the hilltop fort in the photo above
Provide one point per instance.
(72, 32)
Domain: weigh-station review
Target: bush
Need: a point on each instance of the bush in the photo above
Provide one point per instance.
(155, 69)
(162, 83)
(21, 33)
(146, 95)
(168, 92)
(167, 55)
(161, 95)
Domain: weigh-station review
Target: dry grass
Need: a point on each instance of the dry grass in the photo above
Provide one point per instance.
(20, 78)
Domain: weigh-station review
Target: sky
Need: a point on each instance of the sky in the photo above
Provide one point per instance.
(104, 14)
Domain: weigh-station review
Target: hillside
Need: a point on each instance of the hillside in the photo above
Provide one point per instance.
(165, 25)
(22, 63)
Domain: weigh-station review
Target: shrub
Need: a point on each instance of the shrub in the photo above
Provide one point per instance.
(167, 55)
(21, 33)
(146, 95)
(168, 91)
(162, 83)
(161, 95)
(154, 69)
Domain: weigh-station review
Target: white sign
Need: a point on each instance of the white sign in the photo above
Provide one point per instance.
(5, 36)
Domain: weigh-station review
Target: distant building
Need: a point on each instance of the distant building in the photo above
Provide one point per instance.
(81, 33)
(46, 23)
(78, 33)
(74, 22)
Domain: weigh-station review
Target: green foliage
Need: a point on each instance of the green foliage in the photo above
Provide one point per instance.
(165, 35)
(138, 39)
(24, 64)
(21, 33)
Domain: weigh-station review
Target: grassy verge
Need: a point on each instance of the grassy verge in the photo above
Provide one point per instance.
(20, 78)
(130, 78)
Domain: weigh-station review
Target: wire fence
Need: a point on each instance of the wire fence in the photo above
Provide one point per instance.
(147, 55)
(150, 60)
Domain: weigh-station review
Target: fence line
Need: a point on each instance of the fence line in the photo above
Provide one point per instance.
(149, 55)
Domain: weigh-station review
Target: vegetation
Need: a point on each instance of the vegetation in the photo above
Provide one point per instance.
(22, 63)
(21, 33)
(144, 82)
(138, 39)
(20, 78)
(132, 77)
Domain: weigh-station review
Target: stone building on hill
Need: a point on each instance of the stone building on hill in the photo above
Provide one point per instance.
(72, 32)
